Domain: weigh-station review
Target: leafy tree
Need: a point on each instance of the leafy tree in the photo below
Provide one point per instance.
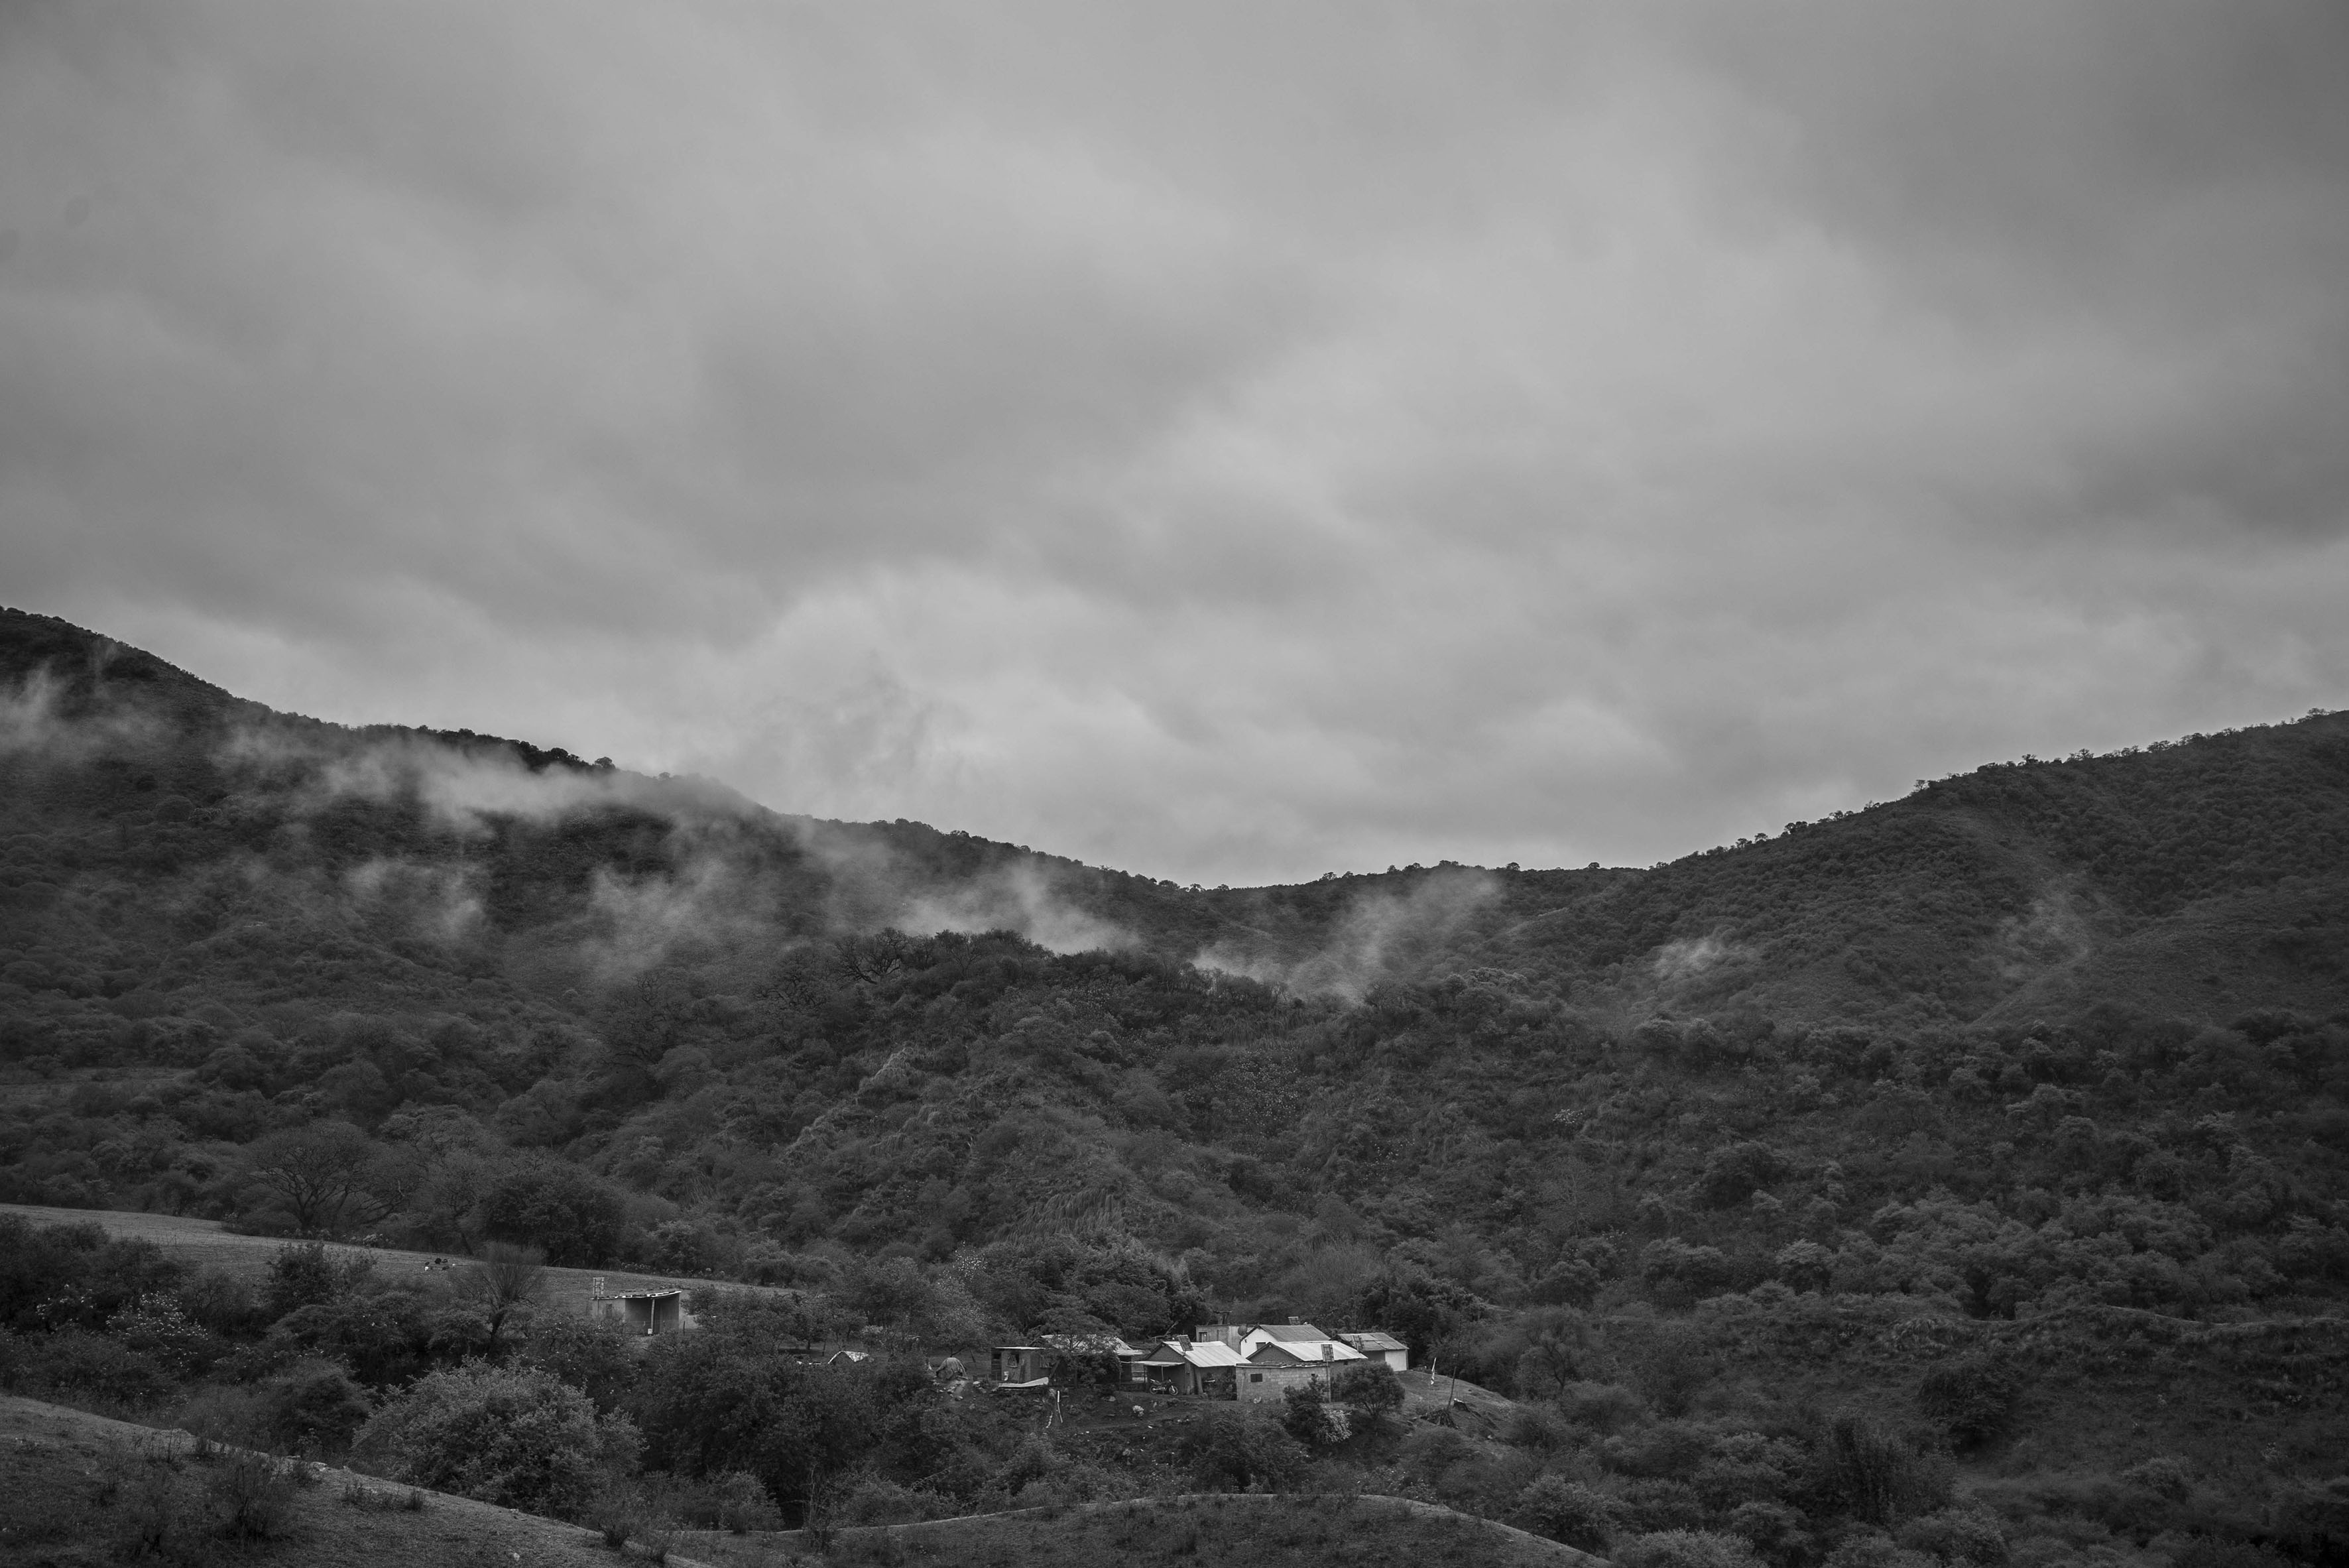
(505, 1280)
(592, 1355)
(1236, 1452)
(1367, 1388)
(575, 1218)
(307, 1273)
(1308, 1416)
(313, 1407)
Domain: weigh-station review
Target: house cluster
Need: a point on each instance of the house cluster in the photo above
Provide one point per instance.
(1217, 1361)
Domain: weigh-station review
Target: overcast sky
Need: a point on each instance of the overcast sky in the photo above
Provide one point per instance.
(1224, 442)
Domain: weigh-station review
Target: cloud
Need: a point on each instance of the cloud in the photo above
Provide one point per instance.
(32, 722)
(1230, 444)
(441, 901)
(1379, 936)
(1685, 960)
(461, 783)
(1018, 899)
(640, 921)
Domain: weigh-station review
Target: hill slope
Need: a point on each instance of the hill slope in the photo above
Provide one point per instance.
(2034, 1085)
(86, 1490)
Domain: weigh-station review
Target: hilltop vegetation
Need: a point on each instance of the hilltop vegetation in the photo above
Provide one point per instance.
(2034, 1081)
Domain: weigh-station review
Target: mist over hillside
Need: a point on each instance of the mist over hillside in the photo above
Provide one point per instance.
(1985, 1084)
(2201, 877)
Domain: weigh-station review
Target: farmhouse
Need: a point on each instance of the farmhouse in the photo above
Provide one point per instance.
(1273, 1357)
(1299, 1338)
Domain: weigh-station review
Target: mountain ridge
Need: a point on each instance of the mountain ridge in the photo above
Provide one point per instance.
(2018, 885)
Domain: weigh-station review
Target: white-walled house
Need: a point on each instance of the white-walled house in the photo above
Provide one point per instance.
(1299, 1337)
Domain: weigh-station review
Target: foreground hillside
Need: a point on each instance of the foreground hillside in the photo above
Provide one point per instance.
(83, 1491)
(86, 1490)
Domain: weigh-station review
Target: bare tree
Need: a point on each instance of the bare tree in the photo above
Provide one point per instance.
(321, 1169)
(504, 1279)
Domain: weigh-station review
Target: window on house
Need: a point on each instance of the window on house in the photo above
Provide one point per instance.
(1256, 1376)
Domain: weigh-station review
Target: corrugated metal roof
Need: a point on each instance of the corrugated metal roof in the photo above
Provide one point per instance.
(1289, 1333)
(1372, 1339)
(1081, 1344)
(1310, 1355)
(1202, 1353)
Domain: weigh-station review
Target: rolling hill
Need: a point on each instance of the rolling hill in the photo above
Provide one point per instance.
(1989, 1118)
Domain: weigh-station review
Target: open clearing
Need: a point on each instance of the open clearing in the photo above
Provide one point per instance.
(204, 1244)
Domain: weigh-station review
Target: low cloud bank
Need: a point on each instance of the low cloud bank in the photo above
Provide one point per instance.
(1380, 936)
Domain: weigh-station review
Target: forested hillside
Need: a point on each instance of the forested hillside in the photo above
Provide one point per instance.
(2029, 1051)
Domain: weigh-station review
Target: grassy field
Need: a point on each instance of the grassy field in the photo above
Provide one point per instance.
(1240, 1531)
(204, 1244)
(81, 1490)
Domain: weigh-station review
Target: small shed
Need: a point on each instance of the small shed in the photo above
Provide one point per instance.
(1379, 1346)
(1097, 1348)
(1187, 1365)
(642, 1311)
(1019, 1365)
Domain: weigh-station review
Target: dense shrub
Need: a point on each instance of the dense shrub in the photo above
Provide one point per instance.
(1957, 1535)
(1236, 1452)
(1600, 1407)
(1874, 1549)
(1686, 1549)
(1877, 1475)
(2162, 1476)
(1665, 1448)
(314, 1407)
(507, 1435)
(592, 1355)
(312, 1273)
(87, 1366)
(1581, 1516)
(1971, 1398)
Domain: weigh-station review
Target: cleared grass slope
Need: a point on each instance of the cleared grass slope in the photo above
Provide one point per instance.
(79, 1490)
(1243, 1530)
(205, 1244)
